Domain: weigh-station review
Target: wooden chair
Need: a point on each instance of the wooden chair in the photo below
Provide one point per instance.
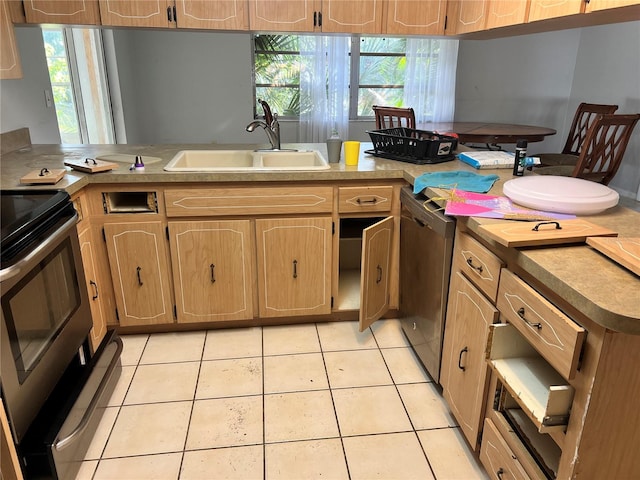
(582, 120)
(602, 150)
(390, 117)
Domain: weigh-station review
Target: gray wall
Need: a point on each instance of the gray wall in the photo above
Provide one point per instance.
(196, 86)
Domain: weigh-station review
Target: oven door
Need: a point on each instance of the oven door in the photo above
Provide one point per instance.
(45, 320)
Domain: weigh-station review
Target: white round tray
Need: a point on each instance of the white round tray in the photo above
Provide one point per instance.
(560, 194)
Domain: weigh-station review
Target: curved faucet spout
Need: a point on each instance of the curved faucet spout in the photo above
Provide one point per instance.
(271, 126)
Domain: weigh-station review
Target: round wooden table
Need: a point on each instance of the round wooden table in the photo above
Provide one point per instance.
(490, 133)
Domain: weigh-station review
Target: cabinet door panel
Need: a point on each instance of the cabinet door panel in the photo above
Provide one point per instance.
(464, 371)
(282, 15)
(361, 16)
(10, 66)
(139, 268)
(595, 5)
(93, 287)
(466, 16)
(376, 271)
(543, 9)
(212, 270)
(294, 266)
(135, 13)
(506, 12)
(215, 15)
(416, 18)
(74, 12)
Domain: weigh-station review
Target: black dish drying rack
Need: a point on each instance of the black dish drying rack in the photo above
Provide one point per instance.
(413, 146)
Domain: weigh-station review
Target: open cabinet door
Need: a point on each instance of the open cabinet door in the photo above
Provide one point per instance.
(375, 276)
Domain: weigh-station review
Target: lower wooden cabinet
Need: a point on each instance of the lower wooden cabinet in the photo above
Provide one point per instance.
(138, 259)
(496, 456)
(94, 285)
(212, 270)
(464, 371)
(294, 266)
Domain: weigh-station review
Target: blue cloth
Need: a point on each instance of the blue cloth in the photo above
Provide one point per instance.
(458, 179)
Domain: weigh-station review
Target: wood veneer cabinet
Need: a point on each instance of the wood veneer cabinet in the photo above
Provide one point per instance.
(135, 13)
(544, 9)
(139, 264)
(94, 287)
(10, 66)
(465, 16)
(72, 12)
(409, 17)
(212, 15)
(597, 5)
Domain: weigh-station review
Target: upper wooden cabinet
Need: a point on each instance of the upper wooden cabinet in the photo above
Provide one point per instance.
(415, 18)
(73, 12)
(597, 5)
(136, 13)
(10, 66)
(465, 16)
(212, 15)
(543, 9)
(332, 16)
(502, 13)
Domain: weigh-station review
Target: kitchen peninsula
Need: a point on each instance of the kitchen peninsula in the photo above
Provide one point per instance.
(596, 436)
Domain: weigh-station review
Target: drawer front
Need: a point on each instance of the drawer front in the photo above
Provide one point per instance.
(478, 264)
(199, 202)
(365, 199)
(496, 456)
(554, 335)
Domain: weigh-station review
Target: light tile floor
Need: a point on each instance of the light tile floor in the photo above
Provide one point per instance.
(285, 402)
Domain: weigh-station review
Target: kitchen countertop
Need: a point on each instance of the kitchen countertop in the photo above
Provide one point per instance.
(577, 273)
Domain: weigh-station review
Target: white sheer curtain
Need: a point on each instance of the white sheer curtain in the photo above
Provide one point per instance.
(430, 79)
(324, 87)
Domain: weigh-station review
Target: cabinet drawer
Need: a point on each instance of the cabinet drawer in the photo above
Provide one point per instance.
(479, 265)
(198, 202)
(365, 199)
(496, 456)
(549, 331)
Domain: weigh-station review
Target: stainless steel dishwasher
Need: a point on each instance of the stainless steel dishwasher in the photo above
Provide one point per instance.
(426, 246)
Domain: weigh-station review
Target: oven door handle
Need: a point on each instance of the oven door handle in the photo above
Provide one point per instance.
(61, 444)
(16, 268)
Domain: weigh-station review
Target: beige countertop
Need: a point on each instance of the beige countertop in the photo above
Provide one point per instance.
(596, 286)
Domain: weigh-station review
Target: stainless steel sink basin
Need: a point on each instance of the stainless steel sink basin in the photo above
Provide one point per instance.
(246, 160)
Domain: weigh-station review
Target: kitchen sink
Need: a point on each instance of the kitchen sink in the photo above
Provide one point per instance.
(246, 160)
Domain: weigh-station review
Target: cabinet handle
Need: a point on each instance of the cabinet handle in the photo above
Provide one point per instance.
(213, 275)
(373, 201)
(379, 278)
(315, 19)
(95, 288)
(138, 269)
(320, 19)
(531, 324)
(500, 473)
(460, 366)
(169, 17)
(295, 269)
(470, 263)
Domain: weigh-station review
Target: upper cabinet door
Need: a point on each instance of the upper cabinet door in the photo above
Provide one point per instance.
(416, 18)
(361, 16)
(506, 12)
(137, 13)
(595, 5)
(466, 16)
(212, 15)
(282, 15)
(9, 57)
(543, 9)
(375, 280)
(74, 12)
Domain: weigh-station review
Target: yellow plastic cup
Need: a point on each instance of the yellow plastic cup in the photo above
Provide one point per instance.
(351, 152)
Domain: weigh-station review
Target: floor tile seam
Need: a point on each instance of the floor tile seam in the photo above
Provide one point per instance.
(339, 350)
(159, 402)
(264, 426)
(239, 357)
(104, 447)
(333, 404)
(167, 363)
(193, 404)
(424, 452)
(150, 454)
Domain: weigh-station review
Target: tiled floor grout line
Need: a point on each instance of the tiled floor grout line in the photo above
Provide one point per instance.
(333, 403)
(264, 416)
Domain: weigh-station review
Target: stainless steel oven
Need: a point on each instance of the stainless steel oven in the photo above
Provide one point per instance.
(45, 317)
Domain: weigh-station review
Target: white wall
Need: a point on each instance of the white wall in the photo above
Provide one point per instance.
(22, 100)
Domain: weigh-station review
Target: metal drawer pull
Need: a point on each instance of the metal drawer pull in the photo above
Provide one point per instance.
(558, 227)
(95, 287)
(470, 263)
(500, 472)
(213, 275)
(295, 269)
(464, 350)
(379, 278)
(531, 324)
(138, 269)
(84, 422)
(374, 200)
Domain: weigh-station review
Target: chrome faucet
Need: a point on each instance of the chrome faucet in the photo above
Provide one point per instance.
(270, 125)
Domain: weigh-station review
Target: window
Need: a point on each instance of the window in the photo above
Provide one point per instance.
(377, 65)
(78, 82)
